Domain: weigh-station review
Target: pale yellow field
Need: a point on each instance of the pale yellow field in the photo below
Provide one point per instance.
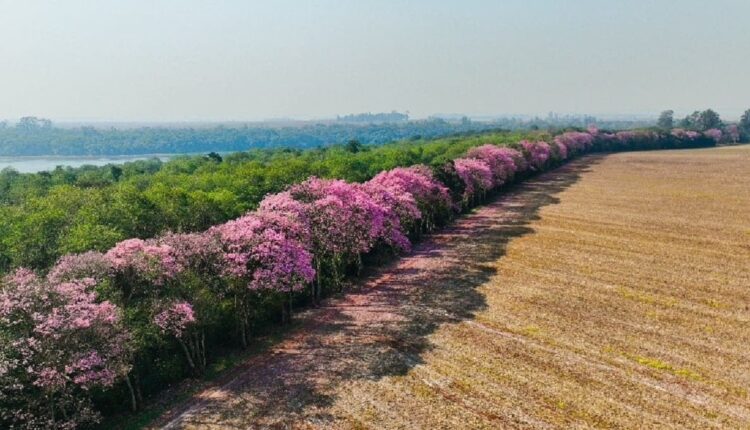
(612, 293)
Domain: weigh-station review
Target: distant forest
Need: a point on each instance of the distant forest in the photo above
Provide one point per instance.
(37, 136)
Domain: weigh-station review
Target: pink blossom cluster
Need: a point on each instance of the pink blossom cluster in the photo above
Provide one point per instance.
(90, 370)
(500, 161)
(714, 134)
(631, 138)
(175, 319)
(70, 267)
(147, 258)
(264, 253)
(341, 217)
(400, 213)
(417, 184)
(681, 133)
(476, 176)
(197, 251)
(59, 339)
(559, 151)
(81, 309)
(537, 154)
(575, 142)
(733, 133)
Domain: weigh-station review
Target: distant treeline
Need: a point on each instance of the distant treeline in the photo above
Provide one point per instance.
(38, 136)
(33, 136)
(369, 118)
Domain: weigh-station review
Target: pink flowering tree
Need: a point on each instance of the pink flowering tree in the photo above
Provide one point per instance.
(192, 301)
(522, 166)
(558, 151)
(399, 211)
(686, 138)
(498, 159)
(576, 142)
(679, 133)
(732, 133)
(714, 133)
(148, 278)
(519, 162)
(537, 154)
(343, 222)
(198, 252)
(477, 178)
(177, 319)
(430, 195)
(260, 258)
(139, 266)
(58, 342)
(71, 267)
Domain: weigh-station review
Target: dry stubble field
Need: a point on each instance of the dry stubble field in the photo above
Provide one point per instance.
(611, 293)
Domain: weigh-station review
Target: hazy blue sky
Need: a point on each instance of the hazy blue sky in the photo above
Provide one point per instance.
(162, 60)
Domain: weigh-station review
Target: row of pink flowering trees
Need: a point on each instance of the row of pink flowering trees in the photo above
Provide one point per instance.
(103, 325)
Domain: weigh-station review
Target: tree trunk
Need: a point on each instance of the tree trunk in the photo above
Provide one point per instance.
(239, 307)
(203, 348)
(243, 332)
(317, 284)
(52, 408)
(187, 355)
(291, 304)
(133, 401)
(359, 264)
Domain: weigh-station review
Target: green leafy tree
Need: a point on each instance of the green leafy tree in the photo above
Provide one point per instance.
(666, 120)
(708, 119)
(354, 146)
(745, 124)
(690, 121)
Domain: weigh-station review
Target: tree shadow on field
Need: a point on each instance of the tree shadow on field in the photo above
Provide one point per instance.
(382, 326)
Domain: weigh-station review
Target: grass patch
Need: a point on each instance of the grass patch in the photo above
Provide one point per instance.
(657, 364)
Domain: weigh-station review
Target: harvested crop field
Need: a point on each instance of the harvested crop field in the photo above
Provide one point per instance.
(611, 293)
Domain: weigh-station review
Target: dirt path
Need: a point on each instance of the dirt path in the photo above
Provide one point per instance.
(613, 292)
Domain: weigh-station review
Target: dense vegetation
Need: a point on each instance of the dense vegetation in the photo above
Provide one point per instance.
(100, 330)
(703, 121)
(46, 215)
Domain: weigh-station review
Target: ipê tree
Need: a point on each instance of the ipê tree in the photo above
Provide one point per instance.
(477, 178)
(498, 159)
(141, 274)
(431, 196)
(260, 258)
(58, 341)
(177, 319)
(537, 154)
(732, 132)
(191, 302)
(342, 220)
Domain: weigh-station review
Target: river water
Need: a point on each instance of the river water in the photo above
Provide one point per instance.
(42, 163)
